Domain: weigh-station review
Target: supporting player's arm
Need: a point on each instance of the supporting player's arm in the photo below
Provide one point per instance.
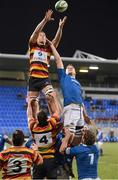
(58, 35)
(56, 55)
(40, 26)
(7, 140)
(54, 111)
(32, 108)
(38, 159)
(65, 140)
(86, 117)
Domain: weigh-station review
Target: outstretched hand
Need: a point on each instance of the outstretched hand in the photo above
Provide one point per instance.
(48, 15)
(62, 22)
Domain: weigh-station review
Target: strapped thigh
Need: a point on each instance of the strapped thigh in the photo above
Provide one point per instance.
(48, 89)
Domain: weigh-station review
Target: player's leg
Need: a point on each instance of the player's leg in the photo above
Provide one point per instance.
(74, 120)
(79, 123)
(33, 88)
(62, 172)
(73, 117)
(39, 172)
(53, 104)
(51, 168)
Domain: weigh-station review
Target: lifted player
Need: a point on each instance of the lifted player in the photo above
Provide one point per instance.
(40, 54)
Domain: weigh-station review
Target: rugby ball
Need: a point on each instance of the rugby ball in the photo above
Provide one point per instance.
(61, 6)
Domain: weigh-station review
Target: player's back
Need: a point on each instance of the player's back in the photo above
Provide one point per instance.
(45, 137)
(16, 162)
(87, 160)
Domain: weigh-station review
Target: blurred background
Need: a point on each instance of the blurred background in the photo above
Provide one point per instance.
(89, 42)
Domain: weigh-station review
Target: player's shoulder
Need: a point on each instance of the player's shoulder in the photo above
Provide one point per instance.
(54, 117)
(6, 151)
(95, 146)
(84, 148)
(94, 149)
(33, 122)
(28, 150)
(61, 72)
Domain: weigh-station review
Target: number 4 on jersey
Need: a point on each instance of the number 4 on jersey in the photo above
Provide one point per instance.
(43, 140)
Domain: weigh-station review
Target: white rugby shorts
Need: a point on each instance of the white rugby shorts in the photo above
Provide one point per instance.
(73, 116)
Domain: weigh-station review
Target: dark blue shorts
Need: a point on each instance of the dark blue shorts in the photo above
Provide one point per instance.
(37, 84)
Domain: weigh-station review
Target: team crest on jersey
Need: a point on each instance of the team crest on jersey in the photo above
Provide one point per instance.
(40, 56)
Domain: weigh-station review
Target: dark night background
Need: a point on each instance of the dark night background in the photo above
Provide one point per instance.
(92, 26)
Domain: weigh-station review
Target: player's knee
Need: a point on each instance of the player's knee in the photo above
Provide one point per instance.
(50, 96)
(48, 90)
(33, 100)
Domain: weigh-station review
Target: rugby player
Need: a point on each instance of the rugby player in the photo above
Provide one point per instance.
(74, 114)
(86, 154)
(40, 54)
(44, 130)
(16, 161)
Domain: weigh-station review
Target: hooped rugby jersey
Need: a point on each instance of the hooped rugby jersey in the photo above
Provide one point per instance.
(39, 60)
(45, 137)
(16, 162)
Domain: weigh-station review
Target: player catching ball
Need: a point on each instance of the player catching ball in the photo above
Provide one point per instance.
(40, 54)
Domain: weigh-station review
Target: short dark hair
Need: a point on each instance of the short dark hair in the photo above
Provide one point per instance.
(18, 137)
(42, 118)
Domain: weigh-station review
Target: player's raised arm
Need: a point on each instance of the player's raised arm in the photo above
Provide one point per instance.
(56, 55)
(40, 26)
(32, 108)
(58, 35)
(86, 117)
(8, 140)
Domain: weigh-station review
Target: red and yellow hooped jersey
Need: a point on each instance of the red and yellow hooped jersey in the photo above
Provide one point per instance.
(16, 162)
(45, 137)
(39, 60)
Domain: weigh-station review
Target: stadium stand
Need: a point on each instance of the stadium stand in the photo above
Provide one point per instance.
(100, 90)
(12, 111)
(13, 103)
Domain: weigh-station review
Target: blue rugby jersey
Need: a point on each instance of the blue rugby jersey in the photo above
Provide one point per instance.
(71, 88)
(86, 159)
